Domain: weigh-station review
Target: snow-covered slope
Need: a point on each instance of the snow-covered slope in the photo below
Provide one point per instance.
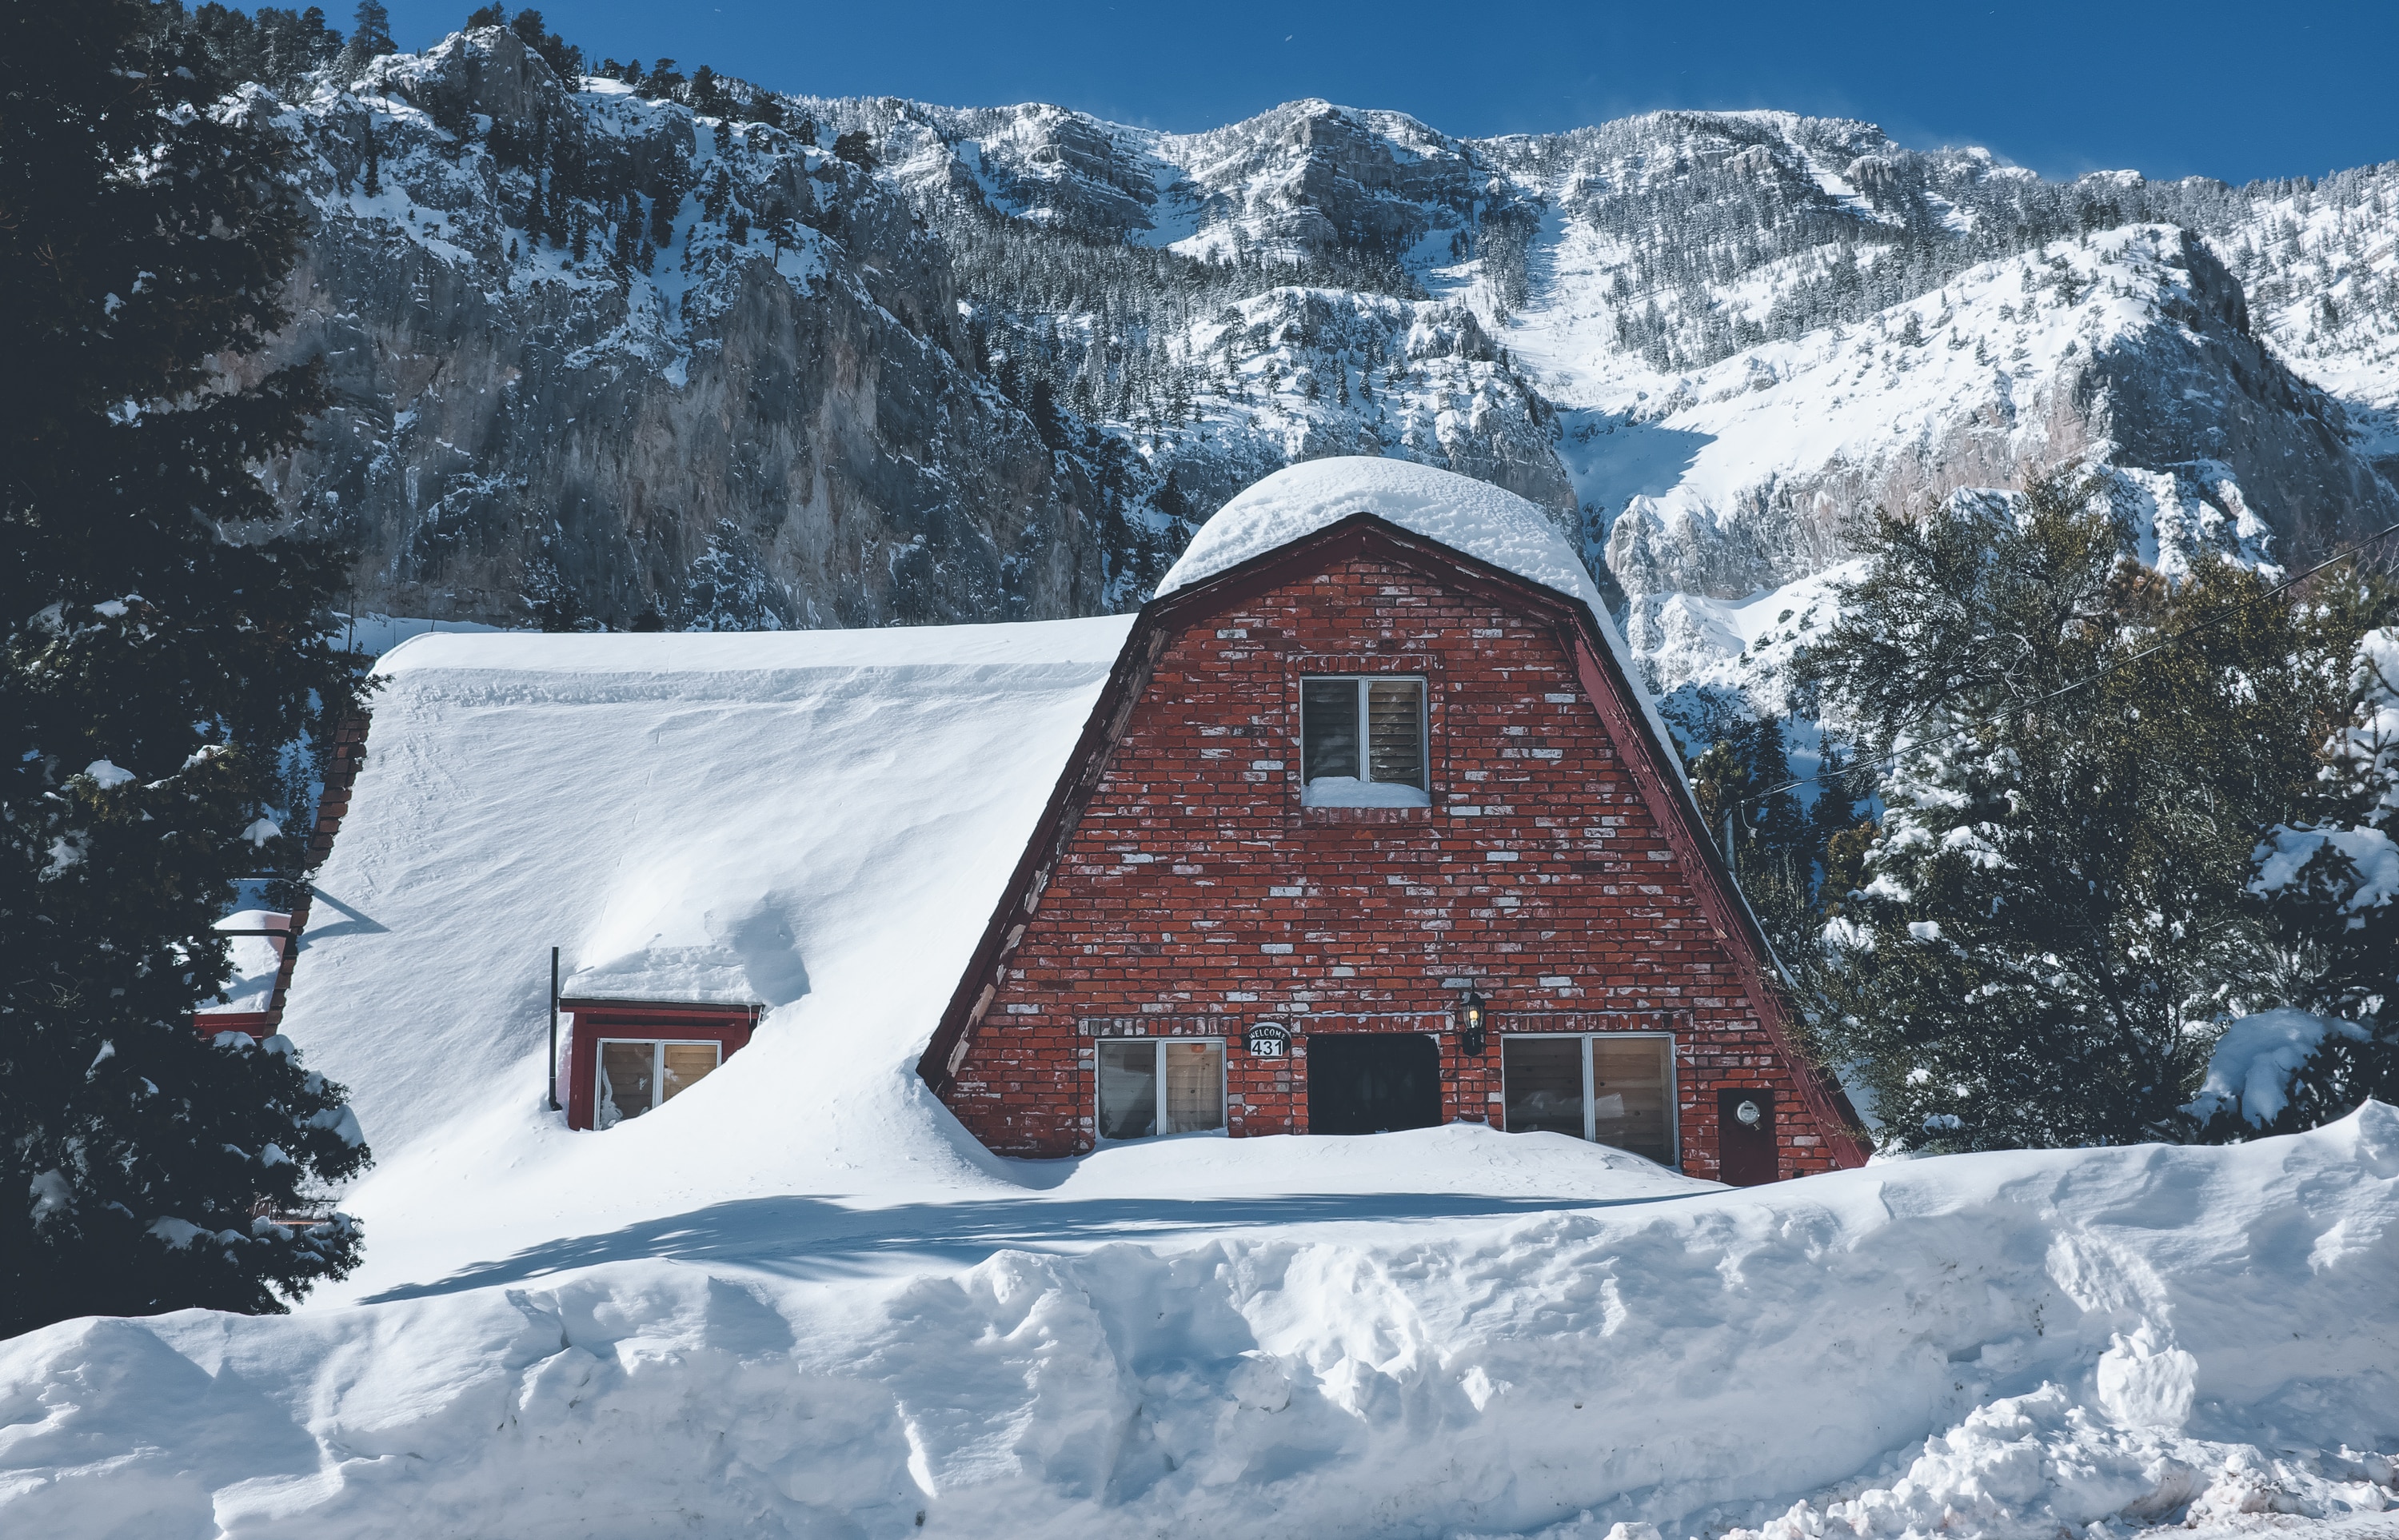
(606, 356)
(2128, 349)
(1743, 329)
(1200, 1337)
(599, 352)
(815, 822)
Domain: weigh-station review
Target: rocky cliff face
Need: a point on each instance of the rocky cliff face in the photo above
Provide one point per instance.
(600, 355)
(711, 424)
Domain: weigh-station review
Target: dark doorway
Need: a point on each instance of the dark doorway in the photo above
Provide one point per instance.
(1371, 1082)
(1746, 1143)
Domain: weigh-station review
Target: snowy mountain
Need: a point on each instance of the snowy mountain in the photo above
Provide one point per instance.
(1003, 362)
(589, 350)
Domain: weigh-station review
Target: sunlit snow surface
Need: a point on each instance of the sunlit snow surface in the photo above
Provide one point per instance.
(1304, 1336)
(799, 1300)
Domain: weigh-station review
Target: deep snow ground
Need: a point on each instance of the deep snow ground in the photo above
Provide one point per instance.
(1181, 1340)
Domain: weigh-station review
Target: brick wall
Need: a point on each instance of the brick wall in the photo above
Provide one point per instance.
(1197, 896)
(349, 753)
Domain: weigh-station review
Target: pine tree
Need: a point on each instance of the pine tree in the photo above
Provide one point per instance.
(565, 61)
(152, 671)
(370, 37)
(2322, 892)
(2057, 915)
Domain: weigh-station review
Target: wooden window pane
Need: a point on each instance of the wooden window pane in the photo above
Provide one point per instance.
(1328, 717)
(1543, 1080)
(626, 1073)
(1395, 731)
(687, 1063)
(1128, 1089)
(1629, 1086)
(1195, 1085)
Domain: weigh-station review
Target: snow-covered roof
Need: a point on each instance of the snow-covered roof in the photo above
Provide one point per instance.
(814, 822)
(257, 959)
(1462, 513)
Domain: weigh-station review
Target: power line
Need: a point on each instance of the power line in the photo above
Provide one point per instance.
(2183, 635)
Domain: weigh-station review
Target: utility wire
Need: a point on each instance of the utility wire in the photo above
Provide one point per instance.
(2183, 635)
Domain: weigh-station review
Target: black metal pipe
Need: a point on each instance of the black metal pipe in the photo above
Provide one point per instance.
(553, 1029)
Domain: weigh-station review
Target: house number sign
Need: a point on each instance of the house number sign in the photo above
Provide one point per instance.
(1269, 1040)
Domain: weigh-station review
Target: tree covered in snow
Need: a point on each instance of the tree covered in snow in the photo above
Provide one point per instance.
(161, 651)
(2326, 887)
(2055, 915)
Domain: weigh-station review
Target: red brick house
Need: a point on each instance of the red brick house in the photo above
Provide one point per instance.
(1362, 824)
(1369, 833)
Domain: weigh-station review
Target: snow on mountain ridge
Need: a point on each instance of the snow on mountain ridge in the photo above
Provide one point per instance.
(1494, 307)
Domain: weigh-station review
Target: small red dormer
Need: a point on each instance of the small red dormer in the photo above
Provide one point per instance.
(625, 1058)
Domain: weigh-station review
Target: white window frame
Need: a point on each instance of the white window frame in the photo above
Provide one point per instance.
(1365, 728)
(1591, 1103)
(1158, 1090)
(658, 1046)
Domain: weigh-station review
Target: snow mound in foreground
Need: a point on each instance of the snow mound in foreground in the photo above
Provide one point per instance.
(2018, 1345)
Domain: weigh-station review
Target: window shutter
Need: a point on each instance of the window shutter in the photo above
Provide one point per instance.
(1395, 731)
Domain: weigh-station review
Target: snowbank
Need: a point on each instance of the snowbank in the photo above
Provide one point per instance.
(2004, 1345)
(256, 959)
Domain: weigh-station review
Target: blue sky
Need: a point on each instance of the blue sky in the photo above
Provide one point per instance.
(2226, 91)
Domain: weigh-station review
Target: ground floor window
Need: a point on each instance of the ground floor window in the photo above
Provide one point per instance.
(636, 1075)
(1160, 1085)
(1609, 1087)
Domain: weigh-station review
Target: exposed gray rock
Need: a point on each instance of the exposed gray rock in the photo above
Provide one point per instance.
(508, 423)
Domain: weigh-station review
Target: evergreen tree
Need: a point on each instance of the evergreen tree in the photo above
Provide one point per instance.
(2082, 759)
(152, 671)
(370, 37)
(856, 148)
(2325, 889)
(565, 61)
(1774, 824)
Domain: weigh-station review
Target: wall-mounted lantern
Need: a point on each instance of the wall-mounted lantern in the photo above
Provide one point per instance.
(1469, 1016)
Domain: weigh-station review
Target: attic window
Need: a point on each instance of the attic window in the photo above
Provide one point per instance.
(1363, 742)
(637, 1076)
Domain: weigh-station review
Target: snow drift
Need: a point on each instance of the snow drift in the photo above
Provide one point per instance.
(815, 822)
(2004, 1344)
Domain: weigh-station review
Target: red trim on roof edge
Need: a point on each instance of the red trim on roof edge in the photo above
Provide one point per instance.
(1603, 677)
